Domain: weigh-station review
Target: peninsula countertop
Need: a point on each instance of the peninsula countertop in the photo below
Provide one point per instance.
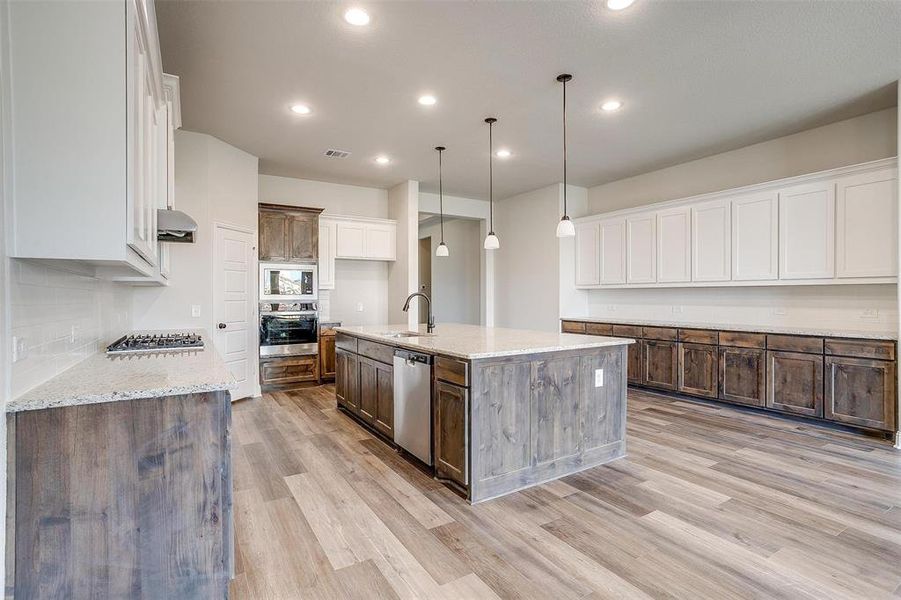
(471, 342)
(102, 378)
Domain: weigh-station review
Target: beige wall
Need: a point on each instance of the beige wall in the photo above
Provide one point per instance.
(403, 273)
(861, 139)
(456, 288)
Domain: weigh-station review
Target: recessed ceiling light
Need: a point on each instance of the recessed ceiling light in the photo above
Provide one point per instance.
(357, 16)
(611, 105)
(382, 160)
(427, 100)
(301, 109)
(619, 4)
(503, 153)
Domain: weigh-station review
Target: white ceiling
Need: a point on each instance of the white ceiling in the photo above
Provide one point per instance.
(697, 78)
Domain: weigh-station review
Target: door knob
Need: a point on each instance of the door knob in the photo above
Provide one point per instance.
(221, 325)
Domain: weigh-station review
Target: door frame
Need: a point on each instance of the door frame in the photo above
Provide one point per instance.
(253, 316)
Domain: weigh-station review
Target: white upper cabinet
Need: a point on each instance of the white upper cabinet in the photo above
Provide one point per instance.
(587, 253)
(866, 239)
(349, 239)
(326, 254)
(711, 245)
(755, 237)
(641, 248)
(380, 241)
(674, 245)
(613, 251)
(365, 239)
(807, 231)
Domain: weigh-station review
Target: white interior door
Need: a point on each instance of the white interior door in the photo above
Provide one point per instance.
(234, 304)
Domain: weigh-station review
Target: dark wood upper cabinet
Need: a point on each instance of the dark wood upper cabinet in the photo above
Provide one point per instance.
(698, 373)
(860, 392)
(303, 236)
(660, 364)
(451, 432)
(288, 233)
(273, 236)
(795, 382)
(742, 374)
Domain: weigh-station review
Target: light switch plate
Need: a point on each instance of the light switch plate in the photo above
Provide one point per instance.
(20, 349)
(359, 307)
(599, 378)
(869, 314)
(195, 310)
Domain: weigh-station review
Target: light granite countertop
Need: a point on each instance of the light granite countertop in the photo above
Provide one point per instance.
(473, 341)
(102, 378)
(815, 331)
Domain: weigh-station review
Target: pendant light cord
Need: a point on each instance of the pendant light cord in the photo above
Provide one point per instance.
(490, 178)
(441, 195)
(564, 149)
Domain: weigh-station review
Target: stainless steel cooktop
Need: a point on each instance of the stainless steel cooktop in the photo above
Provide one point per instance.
(148, 342)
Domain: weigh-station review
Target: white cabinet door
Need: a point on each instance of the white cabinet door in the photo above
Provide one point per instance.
(641, 254)
(613, 251)
(587, 249)
(755, 237)
(349, 238)
(807, 231)
(867, 225)
(326, 255)
(711, 241)
(380, 242)
(674, 245)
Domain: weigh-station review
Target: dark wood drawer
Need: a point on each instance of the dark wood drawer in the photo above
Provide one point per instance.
(452, 370)
(878, 349)
(794, 343)
(628, 331)
(598, 329)
(699, 336)
(326, 332)
(346, 342)
(294, 369)
(572, 327)
(741, 339)
(376, 351)
(667, 334)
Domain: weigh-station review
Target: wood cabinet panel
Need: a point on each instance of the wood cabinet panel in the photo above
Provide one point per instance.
(699, 336)
(742, 375)
(347, 380)
(660, 333)
(587, 254)
(384, 412)
(741, 339)
(598, 329)
(573, 327)
(807, 231)
(866, 238)
(503, 405)
(452, 432)
(660, 364)
(376, 351)
(452, 370)
(273, 234)
(627, 331)
(674, 245)
(795, 383)
(346, 342)
(878, 349)
(327, 357)
(860, 392)
(602, 418)
(634, 367)
(554, 409)
(368, 389)
(794, 343)
(303, 236)
(290, 369)
(698, 373)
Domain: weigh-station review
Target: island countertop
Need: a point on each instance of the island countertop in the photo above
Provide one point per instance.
(103, 378)
(471, 342)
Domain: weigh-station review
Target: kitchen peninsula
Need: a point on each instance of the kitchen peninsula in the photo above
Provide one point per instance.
(509, 408)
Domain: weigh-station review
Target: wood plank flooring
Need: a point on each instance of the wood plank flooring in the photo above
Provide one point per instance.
(711, 502)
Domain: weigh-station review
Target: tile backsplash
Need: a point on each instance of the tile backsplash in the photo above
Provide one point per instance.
(60, 316)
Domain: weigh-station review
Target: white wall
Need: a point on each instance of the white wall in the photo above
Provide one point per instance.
(334, 198)
(403, 273)
(456, 285)
(865, 138)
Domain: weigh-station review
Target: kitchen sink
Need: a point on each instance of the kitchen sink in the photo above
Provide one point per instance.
(405, 334)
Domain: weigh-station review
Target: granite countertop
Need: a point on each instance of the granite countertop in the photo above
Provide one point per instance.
(473, 341)
(102, 378)
(815, 331)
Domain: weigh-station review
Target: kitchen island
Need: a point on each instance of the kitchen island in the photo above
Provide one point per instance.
(510, 408)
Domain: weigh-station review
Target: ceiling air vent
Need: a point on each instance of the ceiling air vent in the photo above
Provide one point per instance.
(332, 153)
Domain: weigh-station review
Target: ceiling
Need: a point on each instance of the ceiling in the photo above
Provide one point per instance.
(696, 78)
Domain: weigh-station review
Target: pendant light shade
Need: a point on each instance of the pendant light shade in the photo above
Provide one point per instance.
(442, 247)
(491, 241)
(565, 227)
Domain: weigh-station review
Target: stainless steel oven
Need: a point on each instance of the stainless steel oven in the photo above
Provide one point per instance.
(288, 282)
(289, 330)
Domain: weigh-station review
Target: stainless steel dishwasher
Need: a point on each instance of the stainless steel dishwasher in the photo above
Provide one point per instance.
(413, 403)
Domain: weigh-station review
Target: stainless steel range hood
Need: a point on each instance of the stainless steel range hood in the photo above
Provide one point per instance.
(175, 226)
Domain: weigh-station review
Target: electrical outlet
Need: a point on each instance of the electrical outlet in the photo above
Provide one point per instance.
(195, 310)
(779, 311)
(599, 378)
(869, 313)
(677, 310)
(20, 349)
(359, 307)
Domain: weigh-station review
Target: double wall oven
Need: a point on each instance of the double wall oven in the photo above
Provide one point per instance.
(289, 317)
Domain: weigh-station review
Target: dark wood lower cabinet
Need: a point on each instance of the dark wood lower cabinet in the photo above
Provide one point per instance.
(327, 357)
(860, 392)
(698, 373)
(384, 411)
(795, 383)
(660, 364)
(285, 372)
(743, 376)
(633, 367)
(451, 406)
(347, 380)
(365, 387)
(368, 389)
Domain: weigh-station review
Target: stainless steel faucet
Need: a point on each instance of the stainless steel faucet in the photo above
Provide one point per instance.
(430, 326)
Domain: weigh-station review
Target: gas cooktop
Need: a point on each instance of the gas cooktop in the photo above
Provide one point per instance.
(148, 342)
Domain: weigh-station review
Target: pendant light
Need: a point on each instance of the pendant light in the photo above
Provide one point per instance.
(565, 227)
(442, 247)
(491, 241)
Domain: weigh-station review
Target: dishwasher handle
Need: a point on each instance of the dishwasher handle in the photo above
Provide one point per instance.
(410, 356)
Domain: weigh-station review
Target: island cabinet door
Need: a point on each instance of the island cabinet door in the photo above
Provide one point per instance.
(698, 374)
(347, 380)
(369, 396)
(743, 375)
(860, 392)
(795, 383)
(452, 432)
(634, 369)
(384, 404)
(660, 364)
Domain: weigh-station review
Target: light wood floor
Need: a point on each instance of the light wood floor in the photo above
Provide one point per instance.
(710, 502)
